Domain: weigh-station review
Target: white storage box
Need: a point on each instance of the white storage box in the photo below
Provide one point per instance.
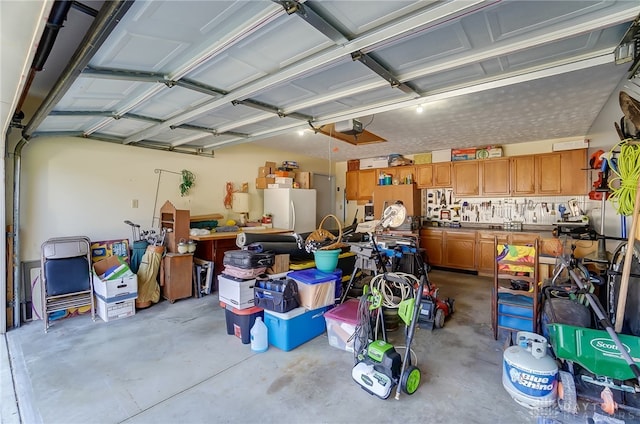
(341, 324)
(122, 288)
(238, 293)
(441, 156)
(284, 180)
(379, 162)
(110, 311)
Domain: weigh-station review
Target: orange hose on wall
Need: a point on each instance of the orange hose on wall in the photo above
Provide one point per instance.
(228, 197)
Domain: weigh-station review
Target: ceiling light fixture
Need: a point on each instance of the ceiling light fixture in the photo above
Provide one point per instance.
(419, 109)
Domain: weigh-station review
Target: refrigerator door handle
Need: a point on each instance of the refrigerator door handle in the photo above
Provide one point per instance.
(293, 215)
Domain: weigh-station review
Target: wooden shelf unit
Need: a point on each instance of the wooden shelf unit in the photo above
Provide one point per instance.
(177, 222)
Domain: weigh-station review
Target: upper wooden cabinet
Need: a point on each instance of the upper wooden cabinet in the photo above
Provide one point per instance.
(360, 184)
(573, 174)
(465, 176)
(400, 173)
(386, 195)
(441, 174)
(522, 173)
(424, 176)
(548, 174)
(494, 177)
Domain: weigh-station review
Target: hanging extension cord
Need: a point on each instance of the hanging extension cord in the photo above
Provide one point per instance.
(627, 173)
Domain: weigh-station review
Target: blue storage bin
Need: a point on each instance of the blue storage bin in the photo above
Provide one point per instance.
(289, 330)
(510, 309)
(313, 294)
(515, 323)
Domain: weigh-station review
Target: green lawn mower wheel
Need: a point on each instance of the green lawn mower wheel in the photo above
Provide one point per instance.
(410, 380)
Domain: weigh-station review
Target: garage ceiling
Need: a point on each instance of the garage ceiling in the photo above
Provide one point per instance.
(198, 76)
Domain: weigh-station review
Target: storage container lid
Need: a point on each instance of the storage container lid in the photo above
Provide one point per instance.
(287, 315)
(247, 311)
(347, 312)
(315, 276)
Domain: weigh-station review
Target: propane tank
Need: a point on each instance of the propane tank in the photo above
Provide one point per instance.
(529, 375)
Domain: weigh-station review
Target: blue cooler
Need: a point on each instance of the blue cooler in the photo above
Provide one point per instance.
(288, 330)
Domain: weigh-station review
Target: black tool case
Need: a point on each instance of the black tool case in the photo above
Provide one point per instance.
(248, 259)
(276, 295)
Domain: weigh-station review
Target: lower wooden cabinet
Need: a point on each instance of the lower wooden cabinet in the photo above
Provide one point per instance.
(459, 250)
(176, 276)
(450, 249)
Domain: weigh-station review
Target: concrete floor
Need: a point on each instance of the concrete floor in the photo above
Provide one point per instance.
(175, 363)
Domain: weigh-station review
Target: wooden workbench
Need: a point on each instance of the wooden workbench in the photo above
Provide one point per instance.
(212, 246)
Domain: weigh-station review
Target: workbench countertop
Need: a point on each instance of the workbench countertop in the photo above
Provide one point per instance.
(233, 234)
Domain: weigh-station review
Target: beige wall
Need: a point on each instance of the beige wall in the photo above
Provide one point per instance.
(73, 186)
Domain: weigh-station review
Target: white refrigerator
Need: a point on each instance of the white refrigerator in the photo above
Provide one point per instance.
(291, 208)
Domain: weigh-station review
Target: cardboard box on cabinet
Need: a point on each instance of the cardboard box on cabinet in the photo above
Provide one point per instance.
(263, 182)
(304, 179)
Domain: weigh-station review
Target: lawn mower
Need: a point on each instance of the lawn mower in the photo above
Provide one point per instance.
(594, 360)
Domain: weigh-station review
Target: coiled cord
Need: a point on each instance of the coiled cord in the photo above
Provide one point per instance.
(387, 288)
(624, 185)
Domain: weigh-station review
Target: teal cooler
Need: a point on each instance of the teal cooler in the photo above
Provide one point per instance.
(288, 330)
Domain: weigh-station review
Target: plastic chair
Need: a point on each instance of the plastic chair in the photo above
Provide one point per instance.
(67, 277)
(515, 298)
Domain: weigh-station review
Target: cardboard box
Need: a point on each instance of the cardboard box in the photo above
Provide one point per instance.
(263, 171)
(463, 154)
(304, 179)
(570, 145)
(236, 292)
(441, 155)
(271, 165)
(284, 174)
(280, 186)
(280, 264)
(379, 162)
(316, 288)
(422, 158)
(284, 180)
(117, 289)
(353, 165)
(111, 311)
(263, 182)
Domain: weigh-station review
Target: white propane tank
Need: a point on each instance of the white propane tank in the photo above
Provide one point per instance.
(529, 375)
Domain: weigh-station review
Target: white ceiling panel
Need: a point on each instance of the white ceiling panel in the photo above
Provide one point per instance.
(210, 74)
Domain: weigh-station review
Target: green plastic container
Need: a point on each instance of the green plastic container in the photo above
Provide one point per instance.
(594, 350)
(326, 260)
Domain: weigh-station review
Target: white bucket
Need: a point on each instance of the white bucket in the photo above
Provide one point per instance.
(529, 375)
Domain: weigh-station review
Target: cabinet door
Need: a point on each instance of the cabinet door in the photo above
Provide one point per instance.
(384, 196)
(573, 172)
(465, 177)
(442, 174)
(351, 189)
(177, 277)
(367, 180)
(494, 175)
(405, 172)
(548, 174)
(459, 249)
(522, 175)
(486, 254)
(424, 176)
(431, 241)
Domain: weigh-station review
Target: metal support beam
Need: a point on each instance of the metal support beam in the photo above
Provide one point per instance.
(313, 19)
(269, 108)
(376, 67)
